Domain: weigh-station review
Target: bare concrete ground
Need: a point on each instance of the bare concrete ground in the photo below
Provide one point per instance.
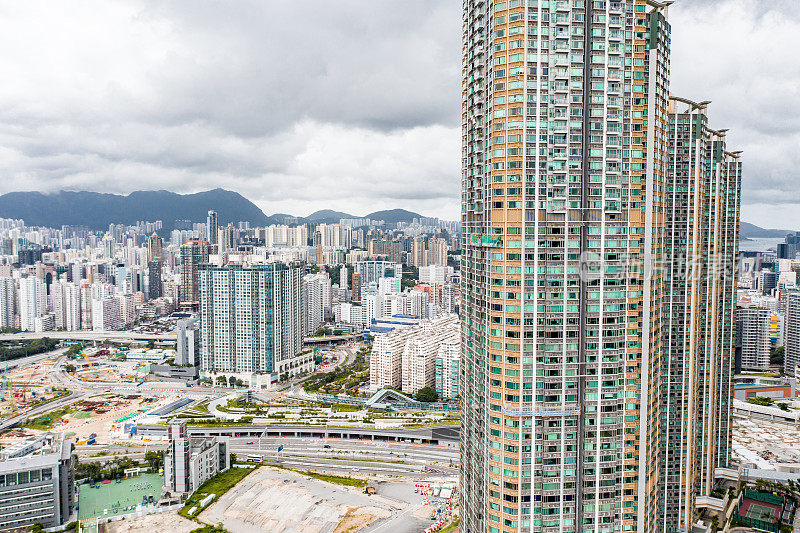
(280, 501)
(170, 522)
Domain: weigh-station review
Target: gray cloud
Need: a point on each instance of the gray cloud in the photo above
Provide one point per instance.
(351, 105)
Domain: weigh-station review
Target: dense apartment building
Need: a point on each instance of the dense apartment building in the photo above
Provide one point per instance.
(448, 361)
(791, 361)
(386, 359)
(405, 357)
(37, 483)
(418, 360)
(702, 221)
(154, 247)
(7, 301)
(753, 324)
(568, 205)
(251, 316)
(372, 271)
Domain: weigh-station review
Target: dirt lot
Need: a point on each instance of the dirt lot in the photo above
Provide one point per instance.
(282, 502)
(171, 522)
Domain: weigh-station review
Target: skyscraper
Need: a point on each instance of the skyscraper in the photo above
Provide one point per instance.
(567, 206)
(212, 227)
(154, 247)
(702, 221)
(193, 254)
(154, 278)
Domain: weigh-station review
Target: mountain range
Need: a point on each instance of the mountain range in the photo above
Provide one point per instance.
(751, 231)
(97, 210)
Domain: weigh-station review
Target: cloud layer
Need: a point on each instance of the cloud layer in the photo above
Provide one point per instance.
(350, 105)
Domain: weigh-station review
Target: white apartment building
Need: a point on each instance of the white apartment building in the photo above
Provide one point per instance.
(106, 314)
(32, 302)
(66, 305)
(753, 324)
(7, 297)
(386, 360)
(434, 274)
(316, 287)
(281, 236)
(406, 358)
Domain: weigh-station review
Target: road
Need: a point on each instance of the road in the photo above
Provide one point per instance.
(120, 336)
(334, 455)
(352, 455)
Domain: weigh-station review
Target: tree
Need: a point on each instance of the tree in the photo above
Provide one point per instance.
(69, 368)
(776, 355)
(155, 460)
(221, 380)
(231, 381)
(427, 394)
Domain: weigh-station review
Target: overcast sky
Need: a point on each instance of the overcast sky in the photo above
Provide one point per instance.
(350, 105)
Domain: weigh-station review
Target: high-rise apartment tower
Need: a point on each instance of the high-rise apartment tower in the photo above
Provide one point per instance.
(567, 209)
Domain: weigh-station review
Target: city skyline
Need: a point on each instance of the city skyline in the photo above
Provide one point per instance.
(152, 129)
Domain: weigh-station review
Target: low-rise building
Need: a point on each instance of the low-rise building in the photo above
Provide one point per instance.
(191, 461)
(37, 483)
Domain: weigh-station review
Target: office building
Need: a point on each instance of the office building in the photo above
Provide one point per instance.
(193, 254)
(188, 332)
(566, 204)
(191, 461)
(37, 483)
(212, 227)
(251, 316)
(154, 289)
(372, 271)
(766, 281)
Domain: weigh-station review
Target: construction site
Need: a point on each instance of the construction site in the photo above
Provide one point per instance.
(26, 387)
(98, 419)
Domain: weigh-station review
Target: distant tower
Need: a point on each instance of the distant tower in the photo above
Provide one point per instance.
(212, 227)
(154, 247)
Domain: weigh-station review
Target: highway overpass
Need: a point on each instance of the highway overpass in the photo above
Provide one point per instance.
(131, 336)
(447, 435)
(99, 336)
